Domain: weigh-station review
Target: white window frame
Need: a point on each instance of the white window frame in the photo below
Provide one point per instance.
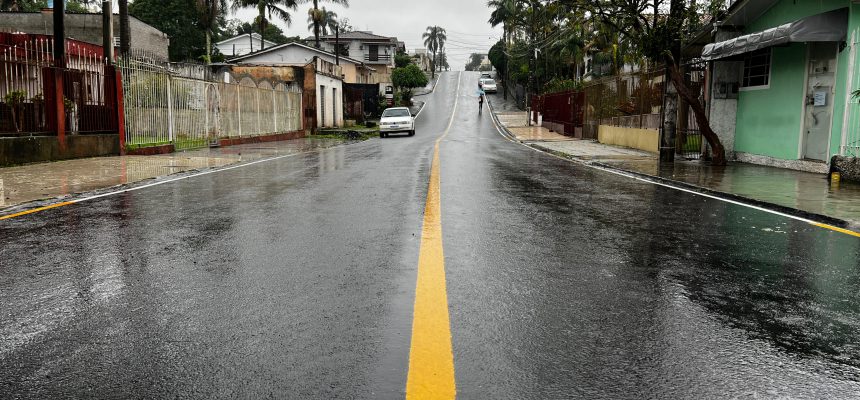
(743, 88)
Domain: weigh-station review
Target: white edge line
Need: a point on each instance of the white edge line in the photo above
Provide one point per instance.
(423, 106)
(631, 176)
(211, 171)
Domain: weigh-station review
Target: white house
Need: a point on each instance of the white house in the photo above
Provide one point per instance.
(243, 44)
(374, 50)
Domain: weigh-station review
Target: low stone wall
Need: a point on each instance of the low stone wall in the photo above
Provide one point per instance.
(817, 167)
(151, 151)
(31, 149)
(634, 138)
(264, 138)
(848, 168)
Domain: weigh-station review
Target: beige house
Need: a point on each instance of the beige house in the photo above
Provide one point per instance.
(353, 71)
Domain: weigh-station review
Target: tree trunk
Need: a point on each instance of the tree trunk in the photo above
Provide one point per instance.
(670, 118)
(208, 47)
(719, 152)
(433, 67)
(316, 24)
(262, 30)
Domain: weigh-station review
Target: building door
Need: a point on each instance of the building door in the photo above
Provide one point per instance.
(818, 108)
(374, 53)
(334, 107)
(322, 106)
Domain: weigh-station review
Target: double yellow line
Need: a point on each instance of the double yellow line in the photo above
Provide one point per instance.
(431, 356)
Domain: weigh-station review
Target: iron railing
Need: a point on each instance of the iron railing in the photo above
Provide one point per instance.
(182, 105)
(29, 97)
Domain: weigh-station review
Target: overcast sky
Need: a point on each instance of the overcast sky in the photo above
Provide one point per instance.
(464, 20)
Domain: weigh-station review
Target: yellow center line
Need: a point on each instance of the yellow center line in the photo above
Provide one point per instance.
(431, 356)
(836, 229)
(35, 210)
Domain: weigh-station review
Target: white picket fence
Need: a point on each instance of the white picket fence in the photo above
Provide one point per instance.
(183, 106)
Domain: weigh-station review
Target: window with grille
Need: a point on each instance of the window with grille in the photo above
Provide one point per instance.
(756, 69)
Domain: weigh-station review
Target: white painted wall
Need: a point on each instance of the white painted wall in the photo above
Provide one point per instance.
(357, 52)
(242, 44)
(329, 114)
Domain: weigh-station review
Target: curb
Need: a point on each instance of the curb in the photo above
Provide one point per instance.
(433, 89)
(820, 218)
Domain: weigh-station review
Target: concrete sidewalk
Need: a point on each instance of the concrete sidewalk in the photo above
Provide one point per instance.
(800, 193)
(23, 184)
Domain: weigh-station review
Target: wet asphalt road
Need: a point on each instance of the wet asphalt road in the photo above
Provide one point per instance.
(295, 278)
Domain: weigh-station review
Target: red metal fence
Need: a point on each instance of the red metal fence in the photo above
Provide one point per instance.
(630, 100)
(30, 97)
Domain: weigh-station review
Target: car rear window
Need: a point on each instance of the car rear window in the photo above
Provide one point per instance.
(489, 81)
(395, 113)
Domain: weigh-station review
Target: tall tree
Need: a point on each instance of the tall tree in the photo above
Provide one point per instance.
(273, 8)
(326, 21)
(179, 20)
(434, 40)
(317, 16)
(211, 17)
(273, 32)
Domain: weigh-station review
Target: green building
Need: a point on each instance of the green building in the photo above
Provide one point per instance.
(782, 73)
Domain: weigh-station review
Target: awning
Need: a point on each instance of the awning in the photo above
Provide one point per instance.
(831, 26)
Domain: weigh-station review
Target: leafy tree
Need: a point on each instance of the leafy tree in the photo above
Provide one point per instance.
(327, 21)
(434, 40)
(211, 14)
(273, 8)
(474, 62)
(179, 20)
(498, 58)
(345, 25)
(659, 39)
(36, 5)
(402, 60)
(318, 17)
(408, 78)
(272, 32)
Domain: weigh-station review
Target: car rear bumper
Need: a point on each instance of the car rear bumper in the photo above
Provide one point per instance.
(401, 128)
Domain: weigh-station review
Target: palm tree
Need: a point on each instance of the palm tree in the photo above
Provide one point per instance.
(505, 13)
(327, 21)
(274, 8)
(317, 16)
(434, 40)
(210, 12)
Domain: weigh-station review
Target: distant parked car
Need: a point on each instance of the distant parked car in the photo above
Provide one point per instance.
(489, 85)
(396, 120)
(485, 75)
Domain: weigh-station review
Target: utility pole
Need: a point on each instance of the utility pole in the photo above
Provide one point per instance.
(337, 44)
(59, 115)
(670, 99)
(59, 34)
(107, 30)
(124, 29)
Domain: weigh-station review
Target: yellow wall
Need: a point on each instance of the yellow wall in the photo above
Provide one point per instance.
(642, 139)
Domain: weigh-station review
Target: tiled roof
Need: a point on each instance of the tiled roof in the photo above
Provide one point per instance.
(358, 35)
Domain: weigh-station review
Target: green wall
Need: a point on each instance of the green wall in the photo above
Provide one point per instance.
(769, 120)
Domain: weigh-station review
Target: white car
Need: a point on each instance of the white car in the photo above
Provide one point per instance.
(396, 120)
(489, 85)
